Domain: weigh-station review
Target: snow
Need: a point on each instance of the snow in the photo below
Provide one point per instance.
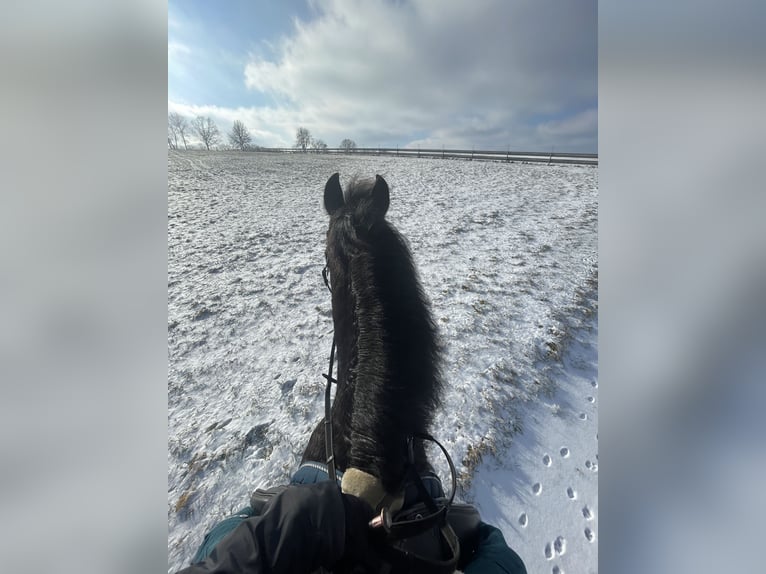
(507, 254)
(543, 494)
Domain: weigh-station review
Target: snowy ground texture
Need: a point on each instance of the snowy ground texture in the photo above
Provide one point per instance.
(507, 254)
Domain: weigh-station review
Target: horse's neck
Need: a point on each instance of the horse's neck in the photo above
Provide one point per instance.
(384, 336)
(343, 325)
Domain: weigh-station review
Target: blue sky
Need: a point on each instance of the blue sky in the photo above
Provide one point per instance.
(489, 74)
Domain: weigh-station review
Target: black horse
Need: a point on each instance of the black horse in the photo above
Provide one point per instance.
(389, 382)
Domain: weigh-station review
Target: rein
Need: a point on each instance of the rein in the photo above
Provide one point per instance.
(328, 447)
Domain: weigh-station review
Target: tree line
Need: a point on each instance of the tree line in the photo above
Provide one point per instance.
(206, 130)
(179, 130)
(304, 141)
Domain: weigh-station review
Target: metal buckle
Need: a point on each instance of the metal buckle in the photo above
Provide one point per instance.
(383, 520)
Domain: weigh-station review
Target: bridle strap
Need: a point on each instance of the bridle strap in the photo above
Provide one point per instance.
(453, 472)
(328, 443)
(328, 417)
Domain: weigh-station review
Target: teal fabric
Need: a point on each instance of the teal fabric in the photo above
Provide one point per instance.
(219, 532)
(493, 554)
(313, 473)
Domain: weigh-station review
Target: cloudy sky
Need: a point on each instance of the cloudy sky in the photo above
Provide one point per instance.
(489, 74)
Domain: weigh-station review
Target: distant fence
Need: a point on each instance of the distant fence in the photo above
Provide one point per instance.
(481, 155)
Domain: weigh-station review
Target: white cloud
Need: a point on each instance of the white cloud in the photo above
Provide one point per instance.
(446, 73)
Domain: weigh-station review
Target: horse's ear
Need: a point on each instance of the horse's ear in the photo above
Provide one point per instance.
(380, 196)
(333, 194)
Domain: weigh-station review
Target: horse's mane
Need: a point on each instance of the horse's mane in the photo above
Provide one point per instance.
(387, 341)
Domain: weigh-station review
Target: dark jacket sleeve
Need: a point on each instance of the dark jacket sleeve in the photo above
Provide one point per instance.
(493, 556)
(302, 529)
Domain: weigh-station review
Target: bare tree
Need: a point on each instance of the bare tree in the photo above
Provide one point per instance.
(239, 137)
(318, 145)
(172, 134)
(348, 145)
(302, 139)
(207, 131)
(179, 127)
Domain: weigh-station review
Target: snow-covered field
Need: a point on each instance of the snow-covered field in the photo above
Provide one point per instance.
(507, 254)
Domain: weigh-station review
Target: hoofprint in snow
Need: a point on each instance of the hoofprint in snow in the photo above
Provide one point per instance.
(507, 254)
(543, 491)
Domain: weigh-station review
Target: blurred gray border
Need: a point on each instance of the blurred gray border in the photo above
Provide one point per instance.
(682, 282)
(83, 360)
(83, 300)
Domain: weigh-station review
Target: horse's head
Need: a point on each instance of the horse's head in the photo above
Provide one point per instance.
(366, 204)
(356, 218)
